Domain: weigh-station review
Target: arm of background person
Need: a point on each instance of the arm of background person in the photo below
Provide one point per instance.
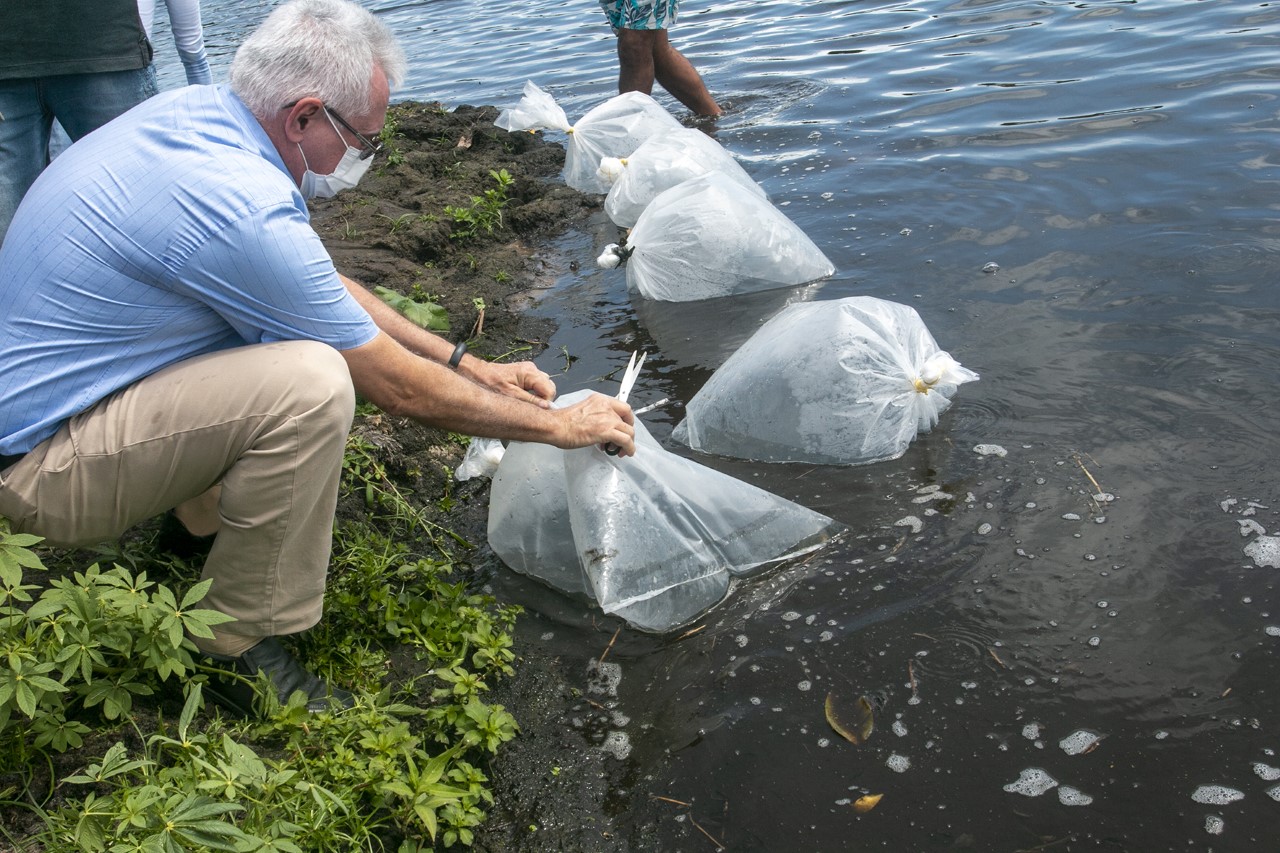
(188, 37)
(403, 383)
(521, 380)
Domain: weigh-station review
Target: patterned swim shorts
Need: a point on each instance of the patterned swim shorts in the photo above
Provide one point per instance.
(640, 14)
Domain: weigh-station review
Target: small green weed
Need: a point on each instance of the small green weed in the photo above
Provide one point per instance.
(389, 136)
(484, 214)
(428, 315)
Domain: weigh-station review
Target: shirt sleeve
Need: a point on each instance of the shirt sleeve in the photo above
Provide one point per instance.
(188, 37)
(270, 278)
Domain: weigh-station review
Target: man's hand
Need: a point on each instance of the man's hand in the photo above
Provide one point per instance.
(598, 420)
(520, 379)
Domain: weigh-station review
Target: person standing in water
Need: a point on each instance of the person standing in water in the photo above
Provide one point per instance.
(645, 54)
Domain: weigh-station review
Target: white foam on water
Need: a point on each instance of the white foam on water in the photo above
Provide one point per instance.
(1248, 527)
(1265, 551)
(603, 678)
(1214, 824)
(911, 521)
(790, 616)
(1031, 731)
(1032, 782)
(1070, 796)
(899, 729)
(989, 450)
(1274, 793)
(617, 744)
(1216, 795)
(1272, 630)
(1078, 741)
(984, 528)
(898, 763)
(1266, 772)
(804, 685)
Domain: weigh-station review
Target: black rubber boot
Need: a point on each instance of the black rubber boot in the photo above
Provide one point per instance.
(284, 672)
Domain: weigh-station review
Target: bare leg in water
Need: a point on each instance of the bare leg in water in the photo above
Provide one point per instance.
(647, 55)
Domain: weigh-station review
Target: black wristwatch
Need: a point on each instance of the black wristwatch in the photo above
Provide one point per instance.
(458, 352)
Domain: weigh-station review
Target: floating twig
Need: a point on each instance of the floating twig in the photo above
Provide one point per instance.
(717, 842)
(670, 800)
(610, 646)
(691, 632)
(993, 654)
(1096, 488)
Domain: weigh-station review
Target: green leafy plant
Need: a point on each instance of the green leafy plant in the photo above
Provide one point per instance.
(428, 315)
(390, 137)
(90, 651)
(484, 214)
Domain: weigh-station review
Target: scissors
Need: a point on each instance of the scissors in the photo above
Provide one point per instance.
(628, 380)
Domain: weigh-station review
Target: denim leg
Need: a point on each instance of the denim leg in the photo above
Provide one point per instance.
(85, 102)
(24, 137)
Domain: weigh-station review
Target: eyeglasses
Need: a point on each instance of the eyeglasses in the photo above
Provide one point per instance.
(368, 148)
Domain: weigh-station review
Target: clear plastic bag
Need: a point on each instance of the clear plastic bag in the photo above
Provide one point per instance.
(654, 538)
(661, 163)
(481, 459)
(615, 128)
(710, 237)
(842, 382)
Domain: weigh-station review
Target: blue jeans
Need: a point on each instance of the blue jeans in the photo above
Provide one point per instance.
(80, 102)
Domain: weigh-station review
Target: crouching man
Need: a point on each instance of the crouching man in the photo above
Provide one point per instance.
(175, 336)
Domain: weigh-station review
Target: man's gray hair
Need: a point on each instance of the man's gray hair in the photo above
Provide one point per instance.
(324, 49)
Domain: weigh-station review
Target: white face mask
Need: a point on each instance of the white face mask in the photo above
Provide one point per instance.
(345, 175)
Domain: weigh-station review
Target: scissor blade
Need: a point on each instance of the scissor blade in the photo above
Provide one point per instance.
(629, 377)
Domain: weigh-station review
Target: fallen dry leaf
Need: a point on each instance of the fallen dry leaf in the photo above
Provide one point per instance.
(855, 723)
(865, 804)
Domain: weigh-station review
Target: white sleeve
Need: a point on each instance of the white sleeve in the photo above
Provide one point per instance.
(188, 36)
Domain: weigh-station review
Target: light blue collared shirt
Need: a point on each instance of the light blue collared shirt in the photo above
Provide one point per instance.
(171, 232)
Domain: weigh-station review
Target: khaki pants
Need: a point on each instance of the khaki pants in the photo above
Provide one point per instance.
(267, 422)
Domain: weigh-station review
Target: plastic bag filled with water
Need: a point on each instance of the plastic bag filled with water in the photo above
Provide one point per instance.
(661, 163)
(481, 459)
(710, 237)
(615, 128)
(842, 382)
(654, 538)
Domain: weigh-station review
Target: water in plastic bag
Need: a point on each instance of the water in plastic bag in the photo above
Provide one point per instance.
(661, 163)
(615, 128)
(654, 538)
(841, 382)
(481, 459)
(710, 237)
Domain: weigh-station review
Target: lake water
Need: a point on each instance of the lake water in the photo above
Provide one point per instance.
(1120, 163)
